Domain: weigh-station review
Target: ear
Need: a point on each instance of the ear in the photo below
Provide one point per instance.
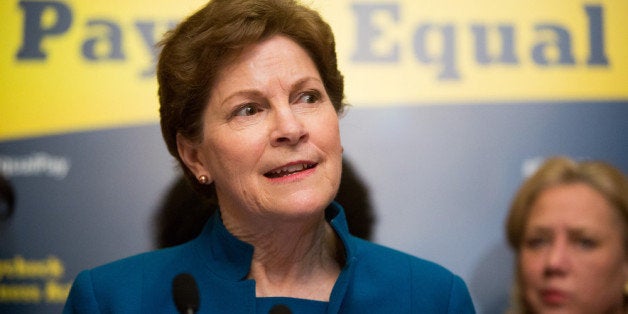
(190, 153)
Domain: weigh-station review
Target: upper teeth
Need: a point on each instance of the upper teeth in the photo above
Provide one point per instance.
(292, 168)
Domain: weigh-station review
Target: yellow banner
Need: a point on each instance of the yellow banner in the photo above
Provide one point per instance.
(409, 52)
(77, 65)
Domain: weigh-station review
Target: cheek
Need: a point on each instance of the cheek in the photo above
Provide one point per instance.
(529, 282)
(530, 267)
(328, 130)
(333, 143)
(610, 266)
(235, 150)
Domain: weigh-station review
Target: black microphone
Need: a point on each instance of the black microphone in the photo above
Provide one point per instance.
(7, 199)
(185, 293)
(280, 309)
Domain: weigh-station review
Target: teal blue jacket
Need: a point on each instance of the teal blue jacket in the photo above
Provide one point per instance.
(374, 279)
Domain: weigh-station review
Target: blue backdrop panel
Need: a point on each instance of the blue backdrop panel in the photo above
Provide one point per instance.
(440, 178)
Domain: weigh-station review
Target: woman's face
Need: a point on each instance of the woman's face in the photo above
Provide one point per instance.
(573, 258)
(271, 140)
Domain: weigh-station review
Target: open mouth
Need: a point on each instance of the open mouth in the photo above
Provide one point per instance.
(289, 170)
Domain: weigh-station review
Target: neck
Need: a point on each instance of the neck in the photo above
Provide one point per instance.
(293, 258)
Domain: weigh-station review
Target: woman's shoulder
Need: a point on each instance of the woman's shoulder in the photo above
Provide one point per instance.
(121, 284)
(128, 268)
(403, 276)
(398, 263)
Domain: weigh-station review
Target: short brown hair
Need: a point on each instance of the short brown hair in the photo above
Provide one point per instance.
(198, 48)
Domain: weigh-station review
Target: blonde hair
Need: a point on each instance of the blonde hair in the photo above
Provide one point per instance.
(607, 180)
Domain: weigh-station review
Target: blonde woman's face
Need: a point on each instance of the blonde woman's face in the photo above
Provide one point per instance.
(573, 258)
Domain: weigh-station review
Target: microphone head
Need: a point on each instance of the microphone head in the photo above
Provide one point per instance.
(7, 199)
(280, 309)
(185, 293)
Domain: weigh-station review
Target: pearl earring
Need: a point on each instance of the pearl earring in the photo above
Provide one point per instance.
(203, 179)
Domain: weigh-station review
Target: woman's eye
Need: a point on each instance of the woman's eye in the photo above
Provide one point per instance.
(246, 110)
(586, 243)
(310, 97)
(534, 242)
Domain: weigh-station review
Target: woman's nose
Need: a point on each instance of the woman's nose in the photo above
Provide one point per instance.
(288, 129)
(557, 260)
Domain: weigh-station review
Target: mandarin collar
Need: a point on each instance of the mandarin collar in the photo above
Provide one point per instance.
(230, 258)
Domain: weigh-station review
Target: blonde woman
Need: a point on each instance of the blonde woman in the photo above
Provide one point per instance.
(568, 226)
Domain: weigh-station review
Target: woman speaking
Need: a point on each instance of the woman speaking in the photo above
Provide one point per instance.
(250, 97)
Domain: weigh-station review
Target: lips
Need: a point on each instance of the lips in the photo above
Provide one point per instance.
(289, 169)
(553, 296)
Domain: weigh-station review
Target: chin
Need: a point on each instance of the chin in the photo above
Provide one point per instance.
(304, 207)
